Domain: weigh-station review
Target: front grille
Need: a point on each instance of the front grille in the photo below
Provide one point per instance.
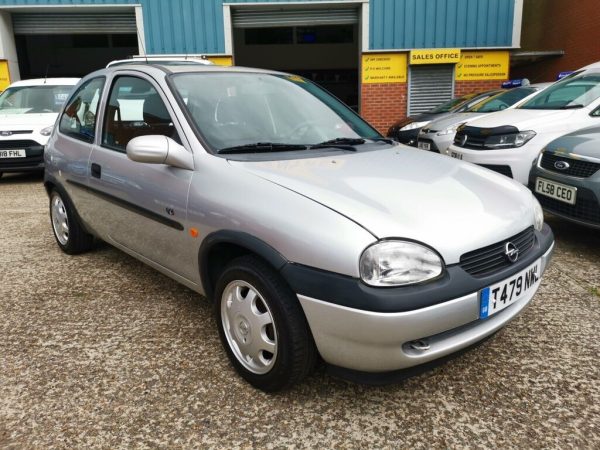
(15, 132)
(504, 170)
(470, 140)
(586, 208)
(577, 167)
(491, 259)
(18, 143)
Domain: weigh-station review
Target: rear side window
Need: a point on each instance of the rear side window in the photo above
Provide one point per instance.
(79, 117)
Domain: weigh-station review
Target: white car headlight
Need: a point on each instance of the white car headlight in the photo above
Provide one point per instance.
(538, 215)
(47, 131)
(511, 140)
(450, 130)
(398, 263)
(413, 125)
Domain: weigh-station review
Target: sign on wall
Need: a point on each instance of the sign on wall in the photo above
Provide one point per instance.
(483, 65)
(4, 75)
(221, 60)
(384, 68)
(435, 56)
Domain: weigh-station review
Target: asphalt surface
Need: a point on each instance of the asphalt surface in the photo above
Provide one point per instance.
(99, 350)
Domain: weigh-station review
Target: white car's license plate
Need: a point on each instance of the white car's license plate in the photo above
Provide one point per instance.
(495, 298)
(456, 155)
(561, 192)
(424, 145)
(16, 153)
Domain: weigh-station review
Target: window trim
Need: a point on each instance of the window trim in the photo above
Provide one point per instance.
(77, 136)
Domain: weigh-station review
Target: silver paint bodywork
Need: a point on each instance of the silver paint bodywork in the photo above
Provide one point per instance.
(320, 211)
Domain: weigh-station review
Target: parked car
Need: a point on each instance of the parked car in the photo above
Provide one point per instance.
(510, 141)
(28, 110)
(263, 192)
(406, 131)
(566, 177)
(439, 134)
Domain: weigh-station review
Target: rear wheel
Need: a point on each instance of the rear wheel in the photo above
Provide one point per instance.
(69, 233)
(262, 325)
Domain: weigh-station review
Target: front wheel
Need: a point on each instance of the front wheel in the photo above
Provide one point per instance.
(69, 233)
(262, 325)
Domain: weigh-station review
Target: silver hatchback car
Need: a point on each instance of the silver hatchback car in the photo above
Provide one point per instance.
(312, 234)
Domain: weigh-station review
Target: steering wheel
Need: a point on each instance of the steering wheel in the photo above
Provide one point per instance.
(301, 129)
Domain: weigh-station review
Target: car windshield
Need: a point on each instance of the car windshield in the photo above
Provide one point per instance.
(502, 101)
(243, 109)
(451, 104)
(33, 99)
(575, 92)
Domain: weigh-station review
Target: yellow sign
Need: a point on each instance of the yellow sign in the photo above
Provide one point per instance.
(483, 65)
(4, 75)
(221, 60)
(384, 68)
(435, 56)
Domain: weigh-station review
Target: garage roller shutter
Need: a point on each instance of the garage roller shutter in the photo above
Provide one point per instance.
(430, 86)
(287, 17)
(74, 23)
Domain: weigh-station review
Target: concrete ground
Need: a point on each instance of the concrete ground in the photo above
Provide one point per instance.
(99, 350)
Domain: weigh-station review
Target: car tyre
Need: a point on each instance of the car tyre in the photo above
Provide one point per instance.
(70, 235)
(262, 325)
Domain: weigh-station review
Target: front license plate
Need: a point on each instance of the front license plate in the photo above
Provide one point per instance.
(424, 145)
(456, 155)
(16, 153)
(495, 298)
(561, 192)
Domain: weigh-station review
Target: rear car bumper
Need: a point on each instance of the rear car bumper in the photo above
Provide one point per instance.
(586, 210)
(377, 342)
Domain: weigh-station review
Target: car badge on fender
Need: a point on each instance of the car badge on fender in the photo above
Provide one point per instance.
(511, 251)
(6, 133)
(561, 165)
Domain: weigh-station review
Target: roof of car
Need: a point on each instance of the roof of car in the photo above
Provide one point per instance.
(191, 68)
(46, 81)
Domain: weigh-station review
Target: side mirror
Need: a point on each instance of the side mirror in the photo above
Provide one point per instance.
(158, 149)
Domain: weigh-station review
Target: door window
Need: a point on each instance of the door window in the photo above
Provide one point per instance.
(135, 109)
(79, 117)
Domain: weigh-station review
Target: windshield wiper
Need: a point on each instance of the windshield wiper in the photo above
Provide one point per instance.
(342, 143)
(261, 147)
(573, 106)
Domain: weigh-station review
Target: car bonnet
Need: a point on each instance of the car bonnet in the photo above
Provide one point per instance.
(452, 206)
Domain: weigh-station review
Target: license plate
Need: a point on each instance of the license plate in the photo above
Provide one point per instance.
(495, 298)
(424, 145)
(16, 153)
(456, 155)
(558, 191)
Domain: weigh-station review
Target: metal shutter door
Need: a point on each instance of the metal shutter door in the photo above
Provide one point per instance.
(74, 23)
(430, 86)
(291, 17)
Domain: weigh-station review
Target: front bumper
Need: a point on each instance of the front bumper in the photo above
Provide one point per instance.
(33, 161)
(513, 162)
(372, 341)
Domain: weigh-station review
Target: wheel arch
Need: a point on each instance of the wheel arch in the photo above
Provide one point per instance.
(221, 247)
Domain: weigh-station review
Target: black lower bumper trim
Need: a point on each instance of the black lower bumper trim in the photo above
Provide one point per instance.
(454, 283)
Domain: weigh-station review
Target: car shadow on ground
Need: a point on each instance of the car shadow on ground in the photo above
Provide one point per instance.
(22, 178)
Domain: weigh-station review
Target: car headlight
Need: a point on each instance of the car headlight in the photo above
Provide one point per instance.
(398, 263)
(450, 130)
(47, 131)
(538, 215)
(413, 125)
(511, 140)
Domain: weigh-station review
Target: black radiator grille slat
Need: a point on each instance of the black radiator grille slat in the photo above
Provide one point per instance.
(504, 170)
(577, 167)
(490, 259)
(18, 143)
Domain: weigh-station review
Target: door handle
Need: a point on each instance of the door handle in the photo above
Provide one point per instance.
(96, 170)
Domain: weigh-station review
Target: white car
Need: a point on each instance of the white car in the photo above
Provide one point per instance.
(439, 135)
(28, 111)
(510, 141)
